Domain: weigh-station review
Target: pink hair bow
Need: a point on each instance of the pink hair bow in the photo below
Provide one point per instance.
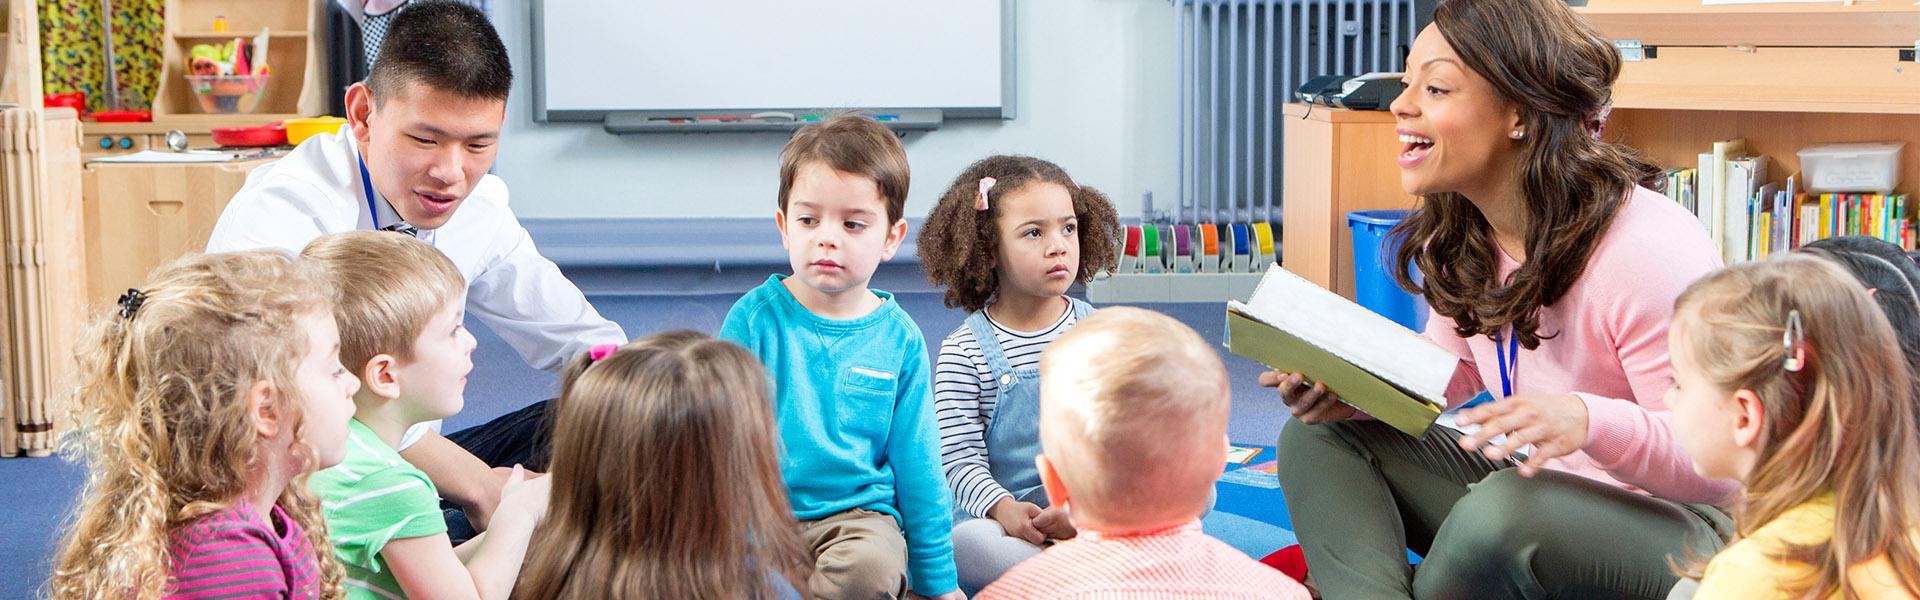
(601, 351)
(986, 185)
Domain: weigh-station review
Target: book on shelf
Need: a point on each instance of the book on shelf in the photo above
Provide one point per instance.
(1750, 216)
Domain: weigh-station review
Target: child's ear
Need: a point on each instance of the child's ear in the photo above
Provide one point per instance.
(379, 376)
(1226, 447)
(1050, 479)
(266, 421)
(896, 234)
(780, 222)
(1749, 420)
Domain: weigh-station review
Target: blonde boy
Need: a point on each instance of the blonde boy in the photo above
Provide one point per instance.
(398, 301)
(1133, 430)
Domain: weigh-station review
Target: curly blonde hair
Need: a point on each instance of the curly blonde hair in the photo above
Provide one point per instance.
(958, 241)
(163, 423)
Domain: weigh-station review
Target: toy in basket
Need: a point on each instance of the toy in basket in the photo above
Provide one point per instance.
(229, 77)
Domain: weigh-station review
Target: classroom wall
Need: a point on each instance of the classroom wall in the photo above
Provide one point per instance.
(1095, 94)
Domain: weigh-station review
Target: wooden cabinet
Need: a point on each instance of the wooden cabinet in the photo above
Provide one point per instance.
(1337, 161)
(141, 216)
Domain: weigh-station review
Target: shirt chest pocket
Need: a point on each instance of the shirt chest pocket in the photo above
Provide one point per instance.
(865, 396)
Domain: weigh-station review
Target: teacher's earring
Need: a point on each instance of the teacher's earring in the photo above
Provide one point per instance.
(1517, 134)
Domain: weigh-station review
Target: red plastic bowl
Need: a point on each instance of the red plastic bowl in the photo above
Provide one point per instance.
(251, 137)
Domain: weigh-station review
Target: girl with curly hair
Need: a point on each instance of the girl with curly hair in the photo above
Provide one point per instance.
(204, 401)
(1006, 240)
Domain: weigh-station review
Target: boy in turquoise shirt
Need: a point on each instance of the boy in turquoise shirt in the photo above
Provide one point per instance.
(860, 452)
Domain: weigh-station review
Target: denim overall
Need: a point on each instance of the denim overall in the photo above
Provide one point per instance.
(1013, 433)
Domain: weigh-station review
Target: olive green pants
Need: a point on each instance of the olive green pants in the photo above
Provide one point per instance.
(1362, 493)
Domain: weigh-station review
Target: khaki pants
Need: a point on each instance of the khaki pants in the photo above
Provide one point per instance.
(857, 554)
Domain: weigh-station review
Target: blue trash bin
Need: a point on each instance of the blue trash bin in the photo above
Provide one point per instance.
(1373, 287)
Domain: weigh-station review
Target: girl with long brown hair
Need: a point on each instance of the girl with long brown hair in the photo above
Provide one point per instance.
(1551, 271)
(205, 398)
(665, 479)
(1788, 378)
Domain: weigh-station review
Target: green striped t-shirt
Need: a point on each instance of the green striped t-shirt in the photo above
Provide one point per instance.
(371, 498)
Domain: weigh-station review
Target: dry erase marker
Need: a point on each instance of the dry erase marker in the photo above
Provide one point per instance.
(1209, 248)
(1130, 257)
(1182, 249)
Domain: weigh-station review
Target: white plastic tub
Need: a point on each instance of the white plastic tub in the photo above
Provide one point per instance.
(1868, 167)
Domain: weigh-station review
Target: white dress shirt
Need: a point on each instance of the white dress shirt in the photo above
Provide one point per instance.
(317, 190)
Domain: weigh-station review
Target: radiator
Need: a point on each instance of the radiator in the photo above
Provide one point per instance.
(1239, 61)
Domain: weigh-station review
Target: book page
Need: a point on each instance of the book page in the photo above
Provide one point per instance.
(1388, 350)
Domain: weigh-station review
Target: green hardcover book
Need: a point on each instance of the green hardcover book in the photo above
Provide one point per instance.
(1392, 373)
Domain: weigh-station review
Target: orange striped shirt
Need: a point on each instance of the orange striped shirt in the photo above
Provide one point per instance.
(1176, 562)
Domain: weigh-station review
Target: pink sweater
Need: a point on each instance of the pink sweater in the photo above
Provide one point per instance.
(1611, 350)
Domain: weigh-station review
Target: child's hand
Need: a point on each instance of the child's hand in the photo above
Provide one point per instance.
(1053, 522)
(1311, 404)
(953, 595)
(480, 512)
(524, 499)
(1016, 518)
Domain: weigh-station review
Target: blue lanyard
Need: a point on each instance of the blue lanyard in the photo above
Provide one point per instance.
(1509, 357)
(366, 187)
(366, 190)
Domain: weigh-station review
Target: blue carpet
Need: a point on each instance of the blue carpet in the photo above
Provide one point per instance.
(38, 492)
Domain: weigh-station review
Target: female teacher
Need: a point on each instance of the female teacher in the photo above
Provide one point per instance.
(1551, 271)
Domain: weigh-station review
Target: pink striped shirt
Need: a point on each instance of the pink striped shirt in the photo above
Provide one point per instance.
(1176, 562)
(235, 553)
(1610, 349)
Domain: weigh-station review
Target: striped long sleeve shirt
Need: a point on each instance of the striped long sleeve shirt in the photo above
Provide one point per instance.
(1177, 562)
(965, 393)
(237, 553)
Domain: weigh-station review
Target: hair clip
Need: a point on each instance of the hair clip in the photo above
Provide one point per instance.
(986, 185)
(1794, 341)
(1598, 121)
(601, 351)
(130, 302)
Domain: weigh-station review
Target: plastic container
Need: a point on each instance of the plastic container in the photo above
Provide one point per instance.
(298, 130)
(228, 94)
(1373, 285)
(1868, 167)
(251, 137)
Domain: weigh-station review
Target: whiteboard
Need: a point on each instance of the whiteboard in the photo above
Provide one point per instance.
(594, 57)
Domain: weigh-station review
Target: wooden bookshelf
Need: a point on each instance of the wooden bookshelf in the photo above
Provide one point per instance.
(1828, 58)
(1782, 76)
(297, 87)
(1867, 23)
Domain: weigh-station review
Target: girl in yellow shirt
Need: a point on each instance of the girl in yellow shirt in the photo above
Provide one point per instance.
(1787, 377)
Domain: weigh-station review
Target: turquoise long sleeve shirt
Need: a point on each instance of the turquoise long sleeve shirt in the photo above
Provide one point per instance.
(854, 406)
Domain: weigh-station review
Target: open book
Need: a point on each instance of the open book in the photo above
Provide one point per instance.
(1378, 366)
